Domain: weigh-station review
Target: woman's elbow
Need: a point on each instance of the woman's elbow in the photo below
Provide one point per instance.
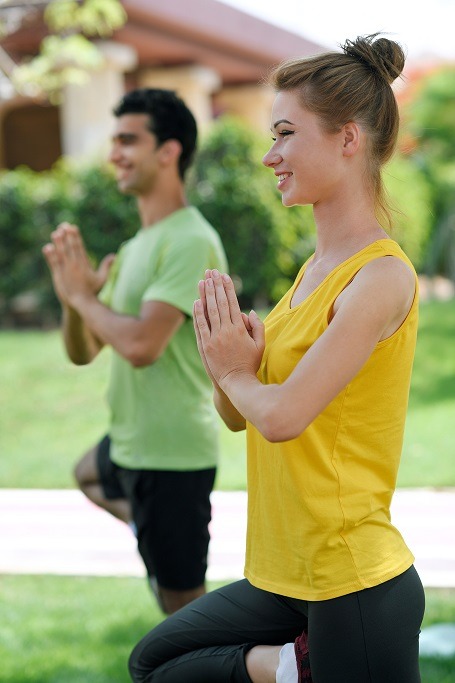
(235, 426)
(276, 427)
(278, 435)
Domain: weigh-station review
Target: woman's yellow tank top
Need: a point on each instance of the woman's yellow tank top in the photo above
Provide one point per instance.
(319, 521)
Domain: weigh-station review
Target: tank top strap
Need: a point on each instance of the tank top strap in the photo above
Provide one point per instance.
(342, 275)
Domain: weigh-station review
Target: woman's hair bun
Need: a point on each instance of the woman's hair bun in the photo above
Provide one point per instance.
(384, 56)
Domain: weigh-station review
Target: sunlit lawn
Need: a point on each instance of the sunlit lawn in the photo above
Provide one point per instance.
(51, 411)
(81, 630)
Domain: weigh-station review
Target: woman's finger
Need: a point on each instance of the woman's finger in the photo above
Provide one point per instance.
(234, 308)
(221, 298)
(201, 288)
(200, 347)
(246, 322)
(257, 330)
(213, 314)
(200, 323)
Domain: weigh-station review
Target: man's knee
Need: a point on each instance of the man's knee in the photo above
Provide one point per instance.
(172, 600)
(86, 470)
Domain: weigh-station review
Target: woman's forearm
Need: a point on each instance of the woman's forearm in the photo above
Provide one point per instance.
(229, 413)
(258, 403)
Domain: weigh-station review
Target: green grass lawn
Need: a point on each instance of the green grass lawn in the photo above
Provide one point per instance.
(52, 411)
(81, 630)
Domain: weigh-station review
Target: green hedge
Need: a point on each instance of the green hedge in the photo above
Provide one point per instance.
(265, 243)
(33, 204)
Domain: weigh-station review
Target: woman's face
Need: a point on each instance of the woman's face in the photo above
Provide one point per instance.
(306, 159)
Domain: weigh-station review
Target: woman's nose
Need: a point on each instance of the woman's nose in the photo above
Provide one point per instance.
(272, 158)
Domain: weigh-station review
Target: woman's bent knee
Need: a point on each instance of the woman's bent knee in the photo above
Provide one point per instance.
(137, 672)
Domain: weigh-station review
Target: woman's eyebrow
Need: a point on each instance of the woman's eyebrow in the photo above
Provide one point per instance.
(277, 123)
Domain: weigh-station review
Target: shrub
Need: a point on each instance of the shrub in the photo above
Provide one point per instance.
(411, 198)
(265, 243)
(33, 204)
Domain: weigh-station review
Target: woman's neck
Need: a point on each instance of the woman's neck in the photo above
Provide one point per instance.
(345, 229)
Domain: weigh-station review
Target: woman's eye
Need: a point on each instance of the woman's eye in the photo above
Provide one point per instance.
(283, 134)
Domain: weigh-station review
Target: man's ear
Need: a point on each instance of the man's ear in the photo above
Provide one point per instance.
(352, 136)
(170, 151)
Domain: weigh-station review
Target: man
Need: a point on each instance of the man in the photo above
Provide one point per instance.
(156, 468)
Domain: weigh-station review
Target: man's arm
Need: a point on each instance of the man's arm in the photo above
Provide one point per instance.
(88, 323)
(142, 339)
(81, 344)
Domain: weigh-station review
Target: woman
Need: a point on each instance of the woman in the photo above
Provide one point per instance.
(323, 395)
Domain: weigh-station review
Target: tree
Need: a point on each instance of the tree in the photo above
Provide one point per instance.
(68, 53)
(411, 203)
(432, 123)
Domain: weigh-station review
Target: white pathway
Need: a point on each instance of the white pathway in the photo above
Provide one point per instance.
(60, 532)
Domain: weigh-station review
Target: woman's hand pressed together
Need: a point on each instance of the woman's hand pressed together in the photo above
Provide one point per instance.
(231, 344)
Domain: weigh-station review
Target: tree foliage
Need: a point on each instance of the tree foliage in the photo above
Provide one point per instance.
(431, 118)
(266, 243)
(411, 203)
(33, 204)
(68, 55)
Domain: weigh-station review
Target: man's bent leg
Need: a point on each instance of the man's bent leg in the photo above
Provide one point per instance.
(172, 600)
(90, 481)
(172, 511)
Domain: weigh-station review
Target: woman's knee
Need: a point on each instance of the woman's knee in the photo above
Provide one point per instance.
(141, 665)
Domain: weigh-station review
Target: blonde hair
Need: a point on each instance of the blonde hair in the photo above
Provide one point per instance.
(352, 85)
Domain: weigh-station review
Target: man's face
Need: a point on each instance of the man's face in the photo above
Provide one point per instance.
(134, 154)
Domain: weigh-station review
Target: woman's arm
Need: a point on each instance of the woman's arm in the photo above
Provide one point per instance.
(370, 309)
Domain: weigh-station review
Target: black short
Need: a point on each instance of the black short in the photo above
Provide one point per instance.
(171, 510)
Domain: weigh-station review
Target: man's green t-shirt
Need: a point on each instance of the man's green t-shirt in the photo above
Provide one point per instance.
(162, 415)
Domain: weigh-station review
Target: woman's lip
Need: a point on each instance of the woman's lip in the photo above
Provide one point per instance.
(282, 177)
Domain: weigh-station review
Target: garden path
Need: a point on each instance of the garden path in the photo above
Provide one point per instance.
(61, 532)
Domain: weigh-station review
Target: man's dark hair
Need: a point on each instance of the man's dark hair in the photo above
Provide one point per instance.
(169, 119)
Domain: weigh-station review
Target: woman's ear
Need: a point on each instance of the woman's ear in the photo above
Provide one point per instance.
(352, 135)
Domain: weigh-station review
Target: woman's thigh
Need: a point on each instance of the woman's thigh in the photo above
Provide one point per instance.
(237, 614)
(369, 637)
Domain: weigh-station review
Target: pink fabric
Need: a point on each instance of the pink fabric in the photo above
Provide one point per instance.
(303, 659)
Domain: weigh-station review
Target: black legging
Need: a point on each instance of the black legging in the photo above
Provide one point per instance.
(371, 636)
